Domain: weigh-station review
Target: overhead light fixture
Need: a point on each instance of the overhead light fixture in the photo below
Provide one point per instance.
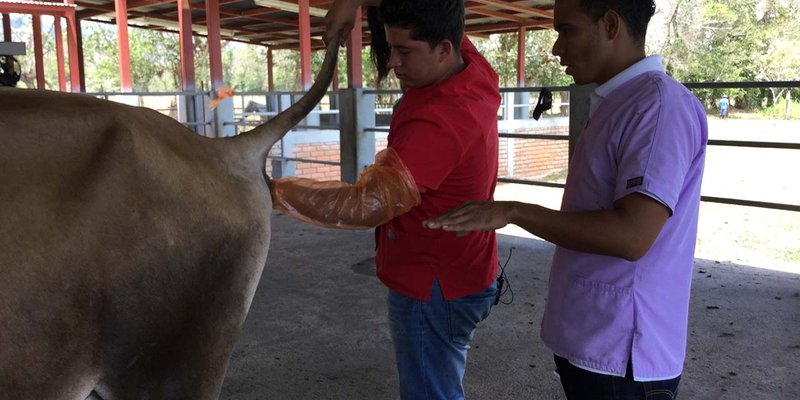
(290, 7)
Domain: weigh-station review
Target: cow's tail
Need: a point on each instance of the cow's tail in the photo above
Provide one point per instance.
(256, 143)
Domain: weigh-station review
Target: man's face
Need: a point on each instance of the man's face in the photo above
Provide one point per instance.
(580, 44)
(414, 62)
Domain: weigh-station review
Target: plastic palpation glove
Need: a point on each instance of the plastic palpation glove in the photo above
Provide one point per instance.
(384, 190)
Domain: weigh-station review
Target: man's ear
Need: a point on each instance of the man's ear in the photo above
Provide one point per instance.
(613, 24)
(444, 49)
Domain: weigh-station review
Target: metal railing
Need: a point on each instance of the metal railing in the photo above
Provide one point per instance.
(195, 118)
(750, 144)
(278, 101)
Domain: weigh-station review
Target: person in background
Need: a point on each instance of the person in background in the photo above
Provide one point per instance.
(442, 151)
(617, 307)
(723, 106)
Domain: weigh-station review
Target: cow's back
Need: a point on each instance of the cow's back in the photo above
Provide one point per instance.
(122, 236)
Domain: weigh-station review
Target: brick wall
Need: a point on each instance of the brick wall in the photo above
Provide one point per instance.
(532, 158)
(323, 151)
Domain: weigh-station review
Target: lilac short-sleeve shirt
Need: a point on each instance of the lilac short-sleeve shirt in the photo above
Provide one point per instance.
(648, 136)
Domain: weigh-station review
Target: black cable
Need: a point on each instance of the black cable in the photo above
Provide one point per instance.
(503, 284)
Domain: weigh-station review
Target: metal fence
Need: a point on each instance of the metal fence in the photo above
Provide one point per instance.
(363, 113)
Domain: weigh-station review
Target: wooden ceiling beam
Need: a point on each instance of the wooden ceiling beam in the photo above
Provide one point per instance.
(510, 5)
(94, 10)
(497, 14)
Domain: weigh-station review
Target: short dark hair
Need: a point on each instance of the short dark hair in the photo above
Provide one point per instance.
(431, 21)
(635, 13)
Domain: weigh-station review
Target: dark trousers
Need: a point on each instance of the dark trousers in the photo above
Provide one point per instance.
(580, 384)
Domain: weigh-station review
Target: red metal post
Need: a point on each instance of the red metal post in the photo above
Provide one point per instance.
(305, 45)
(38, 53)
(521, 57)
(121, 11)
(270, 81)
(72, 47)
(7, 27)
(214, 43)
(187, 47)
(62, 75)
(354, 62)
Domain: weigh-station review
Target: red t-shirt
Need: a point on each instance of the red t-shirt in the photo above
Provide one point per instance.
(446, 135)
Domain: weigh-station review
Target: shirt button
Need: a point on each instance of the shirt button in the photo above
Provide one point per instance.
(391, 235)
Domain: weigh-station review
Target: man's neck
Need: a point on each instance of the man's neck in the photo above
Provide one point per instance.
(453, 69)
(622, 61)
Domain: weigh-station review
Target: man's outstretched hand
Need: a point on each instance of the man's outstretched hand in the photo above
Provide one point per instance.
(473, 216)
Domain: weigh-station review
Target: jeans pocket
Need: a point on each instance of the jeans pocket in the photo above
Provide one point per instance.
(465, 313)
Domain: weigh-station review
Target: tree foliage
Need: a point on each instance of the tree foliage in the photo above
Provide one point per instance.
(733, 41)
(700, 40)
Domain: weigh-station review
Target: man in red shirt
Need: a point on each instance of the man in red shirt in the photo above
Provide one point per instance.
(444, 133)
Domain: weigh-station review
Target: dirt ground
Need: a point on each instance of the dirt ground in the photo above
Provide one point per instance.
(317, 327)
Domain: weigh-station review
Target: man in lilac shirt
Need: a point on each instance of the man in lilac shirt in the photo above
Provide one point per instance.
(617, 309)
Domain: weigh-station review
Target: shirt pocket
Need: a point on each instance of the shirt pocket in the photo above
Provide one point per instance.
(598, 320)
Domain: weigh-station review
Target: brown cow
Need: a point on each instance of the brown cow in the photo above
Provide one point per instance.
(130, 248)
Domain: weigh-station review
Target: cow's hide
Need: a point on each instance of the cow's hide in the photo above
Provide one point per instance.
(130, 248)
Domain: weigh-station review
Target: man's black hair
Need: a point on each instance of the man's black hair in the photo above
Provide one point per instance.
(431, 21)
(635, 13)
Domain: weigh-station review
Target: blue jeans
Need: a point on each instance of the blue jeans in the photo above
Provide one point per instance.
(580, 384)
(431, 340)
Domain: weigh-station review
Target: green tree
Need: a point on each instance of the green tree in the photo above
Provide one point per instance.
(739, 40)
(542, 68)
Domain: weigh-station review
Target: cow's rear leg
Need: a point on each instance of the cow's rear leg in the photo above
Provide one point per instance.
(94, 396)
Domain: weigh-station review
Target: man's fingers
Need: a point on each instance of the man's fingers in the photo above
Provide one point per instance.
(451, 217)
(330, 34)
(454, 216)
(462, 221)
(340, 17)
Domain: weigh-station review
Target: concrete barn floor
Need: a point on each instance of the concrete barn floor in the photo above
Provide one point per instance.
(317, 328)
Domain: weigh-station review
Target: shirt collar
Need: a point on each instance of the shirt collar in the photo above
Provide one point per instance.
(647, 64)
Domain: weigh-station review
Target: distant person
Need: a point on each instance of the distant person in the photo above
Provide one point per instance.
(618, 300)
(723, 106)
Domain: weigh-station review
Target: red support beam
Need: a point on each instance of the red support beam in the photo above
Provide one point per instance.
(354, 61)
(270, 81)
(72, 48)
(521, 57)
(121, 14)
(214, 43)
(7, 27)
(187, 46)
(62, 75)
(38, 52)
(305, 45)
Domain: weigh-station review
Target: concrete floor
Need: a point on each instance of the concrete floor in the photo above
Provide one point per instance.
(317, 328)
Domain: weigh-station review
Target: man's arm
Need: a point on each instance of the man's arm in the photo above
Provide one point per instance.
(384, 190)
(626, 231)
(342, 16)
